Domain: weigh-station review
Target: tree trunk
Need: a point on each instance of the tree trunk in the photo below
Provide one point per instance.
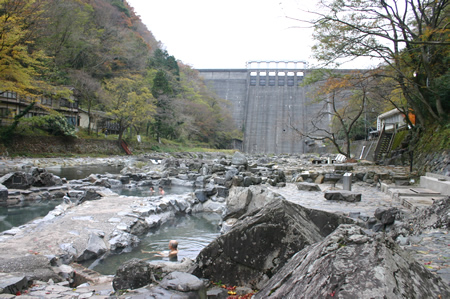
(89, 116)
(121, 130)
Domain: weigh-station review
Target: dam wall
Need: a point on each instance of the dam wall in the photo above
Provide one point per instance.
(269, 105)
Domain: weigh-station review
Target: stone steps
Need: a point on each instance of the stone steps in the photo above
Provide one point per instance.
(414, 203)
(84, 274)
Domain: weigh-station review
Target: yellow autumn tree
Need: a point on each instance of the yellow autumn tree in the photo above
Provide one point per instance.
(21, 64)
(129, 101)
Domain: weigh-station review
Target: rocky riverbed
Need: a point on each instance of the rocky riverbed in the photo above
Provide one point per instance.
(93, 220)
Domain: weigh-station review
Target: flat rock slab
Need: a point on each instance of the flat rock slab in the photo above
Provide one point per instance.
(344, 195)
(397, 192)
(308, 186)
(11, 284)
(414, 203)
(46, 237)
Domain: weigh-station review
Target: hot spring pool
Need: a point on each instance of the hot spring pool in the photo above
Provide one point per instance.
(17, 216)
(193, 233)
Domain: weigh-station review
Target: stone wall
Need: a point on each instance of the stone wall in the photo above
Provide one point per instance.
(60, 145)
(438, 162)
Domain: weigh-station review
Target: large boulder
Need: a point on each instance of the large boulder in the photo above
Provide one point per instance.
(11, 284)
(161, 268)
(39, 177)
(350, 264)
(183, 282)
(95, 247)
(122, 242)
(239, 159)
(386, 216)
(90, 194)
(43, 178)
(133, 274)
(201, 195)
(243, 200)
(137, 273)
(262, 241)
(17, 180)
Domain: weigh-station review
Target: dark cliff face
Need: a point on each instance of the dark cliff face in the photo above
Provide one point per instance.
(260, 243)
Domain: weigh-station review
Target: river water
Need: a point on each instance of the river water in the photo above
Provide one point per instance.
(193, 233)
(17, 216)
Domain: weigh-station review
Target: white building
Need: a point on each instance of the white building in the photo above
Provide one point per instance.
(391, 120)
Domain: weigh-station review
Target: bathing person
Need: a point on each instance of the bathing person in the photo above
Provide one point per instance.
(152, 191)
(173, 249)
(161, 190)
(172, 254)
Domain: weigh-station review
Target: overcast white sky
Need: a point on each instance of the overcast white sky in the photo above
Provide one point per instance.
(228, 33)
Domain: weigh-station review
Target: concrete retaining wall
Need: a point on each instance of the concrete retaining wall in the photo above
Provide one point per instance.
(61, 145)
(435, 182)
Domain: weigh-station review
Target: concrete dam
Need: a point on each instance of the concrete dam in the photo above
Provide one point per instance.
(268, 104)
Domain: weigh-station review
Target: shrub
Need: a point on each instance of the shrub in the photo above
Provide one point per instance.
(55, 124)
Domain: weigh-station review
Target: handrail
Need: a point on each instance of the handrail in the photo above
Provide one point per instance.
(379, 142)
(391, 142)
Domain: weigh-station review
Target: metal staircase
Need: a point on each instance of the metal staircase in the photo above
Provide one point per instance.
(384, 144)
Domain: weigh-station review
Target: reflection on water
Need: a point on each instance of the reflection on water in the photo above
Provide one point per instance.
(193, 233)
(83, 171)
(11, 217)
(145, 191)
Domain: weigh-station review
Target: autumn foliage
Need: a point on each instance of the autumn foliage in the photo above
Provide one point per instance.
(114, 62)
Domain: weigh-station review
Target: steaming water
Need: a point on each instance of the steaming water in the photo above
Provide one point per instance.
(193, 233)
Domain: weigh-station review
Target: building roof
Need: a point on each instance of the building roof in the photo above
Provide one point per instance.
(390, 113)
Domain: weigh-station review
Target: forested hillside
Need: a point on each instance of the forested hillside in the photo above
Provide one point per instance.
(102, 53)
